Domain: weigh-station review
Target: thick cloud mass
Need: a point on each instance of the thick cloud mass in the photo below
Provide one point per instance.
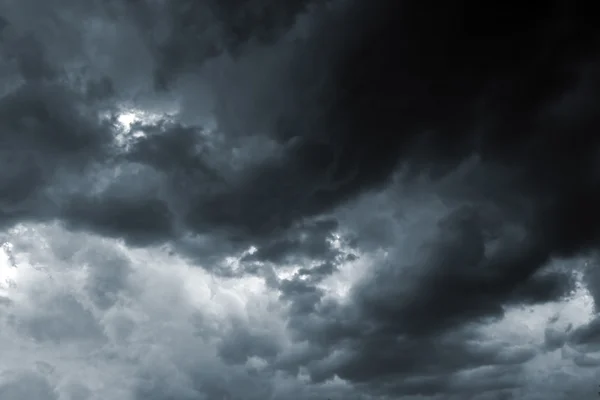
(301, 199)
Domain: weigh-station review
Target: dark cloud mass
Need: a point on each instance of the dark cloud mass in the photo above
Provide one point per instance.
(449, 153)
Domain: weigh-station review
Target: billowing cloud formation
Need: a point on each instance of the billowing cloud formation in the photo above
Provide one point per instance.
(391, 182)
(85, 317)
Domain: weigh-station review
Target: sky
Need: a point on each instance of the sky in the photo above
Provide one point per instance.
(301, 199)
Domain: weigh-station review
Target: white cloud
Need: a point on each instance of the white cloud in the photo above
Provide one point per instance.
(165, 322)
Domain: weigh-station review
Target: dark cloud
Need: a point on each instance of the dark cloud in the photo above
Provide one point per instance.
(309, 240)
(42, 133)
(336, 159)
(473, 125)
(100, 89)
(3, 23)
(145, 220)
(400, 365)
(403, 323)
(29, 56)
(240, 344)
(304, 297)
(215, 27)
(456, 280)
(321, 271)
(554, 338)
(586, 334)
(591, 277)
(324, 167)
(173, 149)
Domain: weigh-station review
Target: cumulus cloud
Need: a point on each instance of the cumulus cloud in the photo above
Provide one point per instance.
(302, 199)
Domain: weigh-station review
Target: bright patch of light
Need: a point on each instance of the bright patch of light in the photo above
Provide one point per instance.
(251, 250)
(286, 273)
(8, 267)
(336, 241)
(234, 263)
(128, 117)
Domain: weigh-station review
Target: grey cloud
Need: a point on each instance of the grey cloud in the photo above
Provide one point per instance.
(240, 343)
(321, 271)
(304, 296)
(5, 301)
(554, 339)
(100, 89)
(308, 241)
(329, 161)
(47, 117)
(77, 392)
(310, 120)
(43, 132)
(402, 320)
(108, 277)
(462, 281)
(214, 27)
(176, 150)
(145, 220)
(545, 287)
(27, 386)
(160, 342)
(586, 361)
(28, 54)
(420, 366)
(61, 318)
(3, 23)
(587, 334)
(592, 279)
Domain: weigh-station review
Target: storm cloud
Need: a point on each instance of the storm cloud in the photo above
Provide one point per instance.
(306, 199)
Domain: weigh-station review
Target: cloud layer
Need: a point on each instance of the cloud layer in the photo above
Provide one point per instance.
(310, 199)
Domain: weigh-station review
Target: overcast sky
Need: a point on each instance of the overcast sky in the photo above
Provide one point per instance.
(299, 199)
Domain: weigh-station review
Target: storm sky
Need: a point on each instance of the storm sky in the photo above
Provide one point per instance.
(300, 199)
